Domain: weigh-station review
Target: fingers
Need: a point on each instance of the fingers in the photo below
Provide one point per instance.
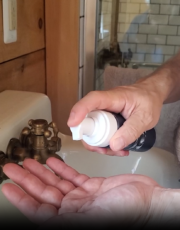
(33, 185)
(95, 100)
(66, 172)
(129, 132)
(106, 151)
(47, 177)
(32, 209)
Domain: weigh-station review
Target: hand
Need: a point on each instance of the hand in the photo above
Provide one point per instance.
(140, 104)
(130, 200)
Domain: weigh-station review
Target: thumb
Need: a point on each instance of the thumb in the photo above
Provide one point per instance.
(131, 130)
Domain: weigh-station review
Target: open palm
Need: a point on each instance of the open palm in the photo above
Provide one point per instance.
(49, 200)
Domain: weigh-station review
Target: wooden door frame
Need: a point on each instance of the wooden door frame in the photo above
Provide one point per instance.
(62, 58)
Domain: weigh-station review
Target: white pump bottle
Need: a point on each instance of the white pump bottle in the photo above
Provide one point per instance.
(96, 129)
(99, 126)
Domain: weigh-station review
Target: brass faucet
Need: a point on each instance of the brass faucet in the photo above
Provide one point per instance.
(35, 142)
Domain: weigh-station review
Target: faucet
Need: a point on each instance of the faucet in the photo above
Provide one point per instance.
(35, 142)
(114, 57)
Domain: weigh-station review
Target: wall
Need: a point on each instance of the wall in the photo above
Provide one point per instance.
(103, 36)
(22, 63)
(152, 31)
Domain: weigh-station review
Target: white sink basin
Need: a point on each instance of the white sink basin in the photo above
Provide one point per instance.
(19, 107)
(156, 163)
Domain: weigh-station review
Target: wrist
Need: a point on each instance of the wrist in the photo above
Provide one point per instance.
(159, 82)
(165, 207)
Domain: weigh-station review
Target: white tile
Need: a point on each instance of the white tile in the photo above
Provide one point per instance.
(169, 9)
(138, 1)
(168, 30)
(161, 1)
(127, 28)
(145, 48)
(175, 2)
(154, 58)
(82, 4)
(158, 19)
(173, 40)
(137, 38)
(177, 49)
(123, 17)
(164, 49)
(127, 1)
(81, 43)
(154, 8)
(144, 8)
(109, 7)
(157, 39)
(129, 8)
(125, 46)
(122, 37)
(137, 57)
(167, 57)
(148, 29)
(174, 20)
(141, 18)
(106, 19)
(104, 7)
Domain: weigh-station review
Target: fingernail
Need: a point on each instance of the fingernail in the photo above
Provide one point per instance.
(118, 144)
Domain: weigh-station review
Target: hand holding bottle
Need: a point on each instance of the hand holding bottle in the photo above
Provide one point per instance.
(139, 104)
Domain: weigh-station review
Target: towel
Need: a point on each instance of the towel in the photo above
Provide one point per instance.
(114, 76)
(169, 122)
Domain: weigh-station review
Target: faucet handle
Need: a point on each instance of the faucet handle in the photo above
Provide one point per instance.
(3, 161)
(38, 127)
(55, 128)
(55, 142)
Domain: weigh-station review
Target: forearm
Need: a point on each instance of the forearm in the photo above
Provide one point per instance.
(166, 80)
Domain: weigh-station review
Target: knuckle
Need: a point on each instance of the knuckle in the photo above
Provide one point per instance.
(94, 94)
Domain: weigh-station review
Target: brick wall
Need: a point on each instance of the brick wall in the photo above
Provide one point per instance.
(151, 30)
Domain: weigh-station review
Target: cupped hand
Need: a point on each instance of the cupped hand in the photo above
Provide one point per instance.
(47, 200)
(140, 104)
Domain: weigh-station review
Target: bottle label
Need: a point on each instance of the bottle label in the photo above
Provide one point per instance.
(143, 143)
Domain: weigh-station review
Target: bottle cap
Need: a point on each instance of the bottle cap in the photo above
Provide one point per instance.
(96, 129)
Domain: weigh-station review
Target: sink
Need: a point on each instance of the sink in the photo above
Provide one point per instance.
(17, 108)
(156, 163)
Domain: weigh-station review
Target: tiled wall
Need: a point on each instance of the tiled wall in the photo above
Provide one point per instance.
(150, 28)
(103, 34)
(152, 31)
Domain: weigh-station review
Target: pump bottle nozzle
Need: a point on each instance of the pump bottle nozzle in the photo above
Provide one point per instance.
(85, 128)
